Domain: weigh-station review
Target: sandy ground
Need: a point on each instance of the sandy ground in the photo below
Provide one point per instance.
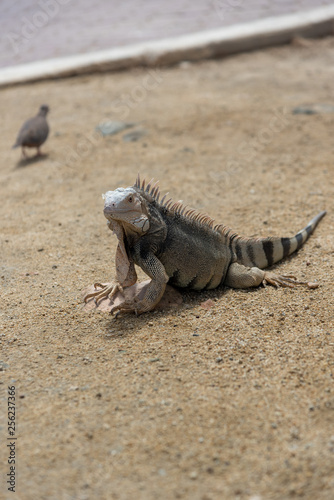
(234, 402)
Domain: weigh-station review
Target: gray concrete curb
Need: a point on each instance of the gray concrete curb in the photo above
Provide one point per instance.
(203, 45)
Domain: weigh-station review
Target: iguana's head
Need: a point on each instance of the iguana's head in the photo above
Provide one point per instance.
(128, 207)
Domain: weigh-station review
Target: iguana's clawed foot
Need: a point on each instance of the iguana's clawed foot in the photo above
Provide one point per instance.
(287, 281)
(135, 305)
(105, 291)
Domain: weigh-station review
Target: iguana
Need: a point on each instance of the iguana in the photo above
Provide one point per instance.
(179, 246)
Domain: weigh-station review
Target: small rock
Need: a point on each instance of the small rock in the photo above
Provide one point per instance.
(185, 64)
(312, 285)
(294, 432)
(207, 304)
(3, 366)
(134, 136)
(113, 127)
(303, 110)
(313, 109)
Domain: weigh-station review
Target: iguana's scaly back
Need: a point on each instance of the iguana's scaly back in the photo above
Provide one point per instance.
(259, 252)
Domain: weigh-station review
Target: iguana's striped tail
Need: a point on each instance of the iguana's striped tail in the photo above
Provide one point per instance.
(264, 252)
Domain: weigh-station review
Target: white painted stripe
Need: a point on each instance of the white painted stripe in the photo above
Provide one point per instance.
(223, 41)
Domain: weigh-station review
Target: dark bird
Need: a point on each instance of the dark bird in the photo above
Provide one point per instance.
(34, 132)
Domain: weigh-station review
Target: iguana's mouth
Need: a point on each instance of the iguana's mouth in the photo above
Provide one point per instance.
(138, 221)
(110, 214)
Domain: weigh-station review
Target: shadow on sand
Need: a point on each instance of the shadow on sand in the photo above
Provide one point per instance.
(25, 162)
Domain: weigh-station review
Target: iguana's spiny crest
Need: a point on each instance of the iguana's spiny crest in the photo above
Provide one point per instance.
(129, 206)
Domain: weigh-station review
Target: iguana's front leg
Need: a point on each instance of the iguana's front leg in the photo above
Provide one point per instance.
(152, 266)
(239, 276)
(125, 276)
(125, 270)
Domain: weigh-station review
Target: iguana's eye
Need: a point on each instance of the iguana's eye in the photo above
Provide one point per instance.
(130, 199)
